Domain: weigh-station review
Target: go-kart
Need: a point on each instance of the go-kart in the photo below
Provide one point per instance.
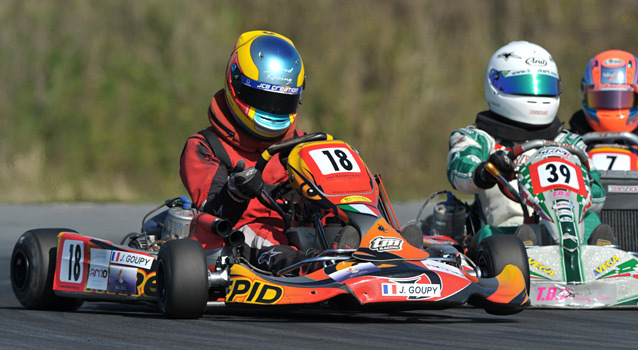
(615, 155)
(59, 268)
(613, 151)
(565, 272)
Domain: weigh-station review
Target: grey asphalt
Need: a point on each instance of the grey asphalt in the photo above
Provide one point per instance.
(110, 325)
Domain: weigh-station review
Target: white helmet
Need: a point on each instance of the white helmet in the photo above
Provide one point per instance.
(522, 84)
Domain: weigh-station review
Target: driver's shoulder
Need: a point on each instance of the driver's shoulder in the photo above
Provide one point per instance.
(566, 136)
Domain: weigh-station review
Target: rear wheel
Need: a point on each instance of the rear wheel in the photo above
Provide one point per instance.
(182, 279)
(33, 269)
(495, 252)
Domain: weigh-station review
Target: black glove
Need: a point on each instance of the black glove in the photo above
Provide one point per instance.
(244, 184)
(501, 161)
(483, 179)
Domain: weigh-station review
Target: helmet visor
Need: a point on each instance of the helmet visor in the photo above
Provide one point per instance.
(525, 84)
(270, 98)
(621, 97)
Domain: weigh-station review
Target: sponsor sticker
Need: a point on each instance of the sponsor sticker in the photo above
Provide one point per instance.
(244, 290)
(540, 267)
(562, 204)
(582, 295)
(354, 271)
(351, 199)
(412, 291)
(122, 280)
(98, 278)
(384, 244)
(622, 189)
(131, 259)
(606, 265)
(613, 62)
(536, 61)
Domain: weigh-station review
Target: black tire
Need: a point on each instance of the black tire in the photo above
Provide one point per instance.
(495, 252)
(182, 279)
(33, 269)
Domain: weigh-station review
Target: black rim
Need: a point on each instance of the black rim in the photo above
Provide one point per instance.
(19, 270)
(483, 264)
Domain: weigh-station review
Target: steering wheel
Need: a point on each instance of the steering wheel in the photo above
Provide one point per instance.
(608, 137)
(507, 189)
(535, 144)
(282, 148)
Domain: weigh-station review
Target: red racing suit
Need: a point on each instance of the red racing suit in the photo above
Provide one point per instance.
(205, 178)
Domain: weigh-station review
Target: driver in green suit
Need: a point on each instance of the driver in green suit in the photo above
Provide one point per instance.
(522, 88)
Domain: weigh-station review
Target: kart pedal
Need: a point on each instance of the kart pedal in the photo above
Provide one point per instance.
(413, 235)
(347, 238)
(603, 234)
(527, 234)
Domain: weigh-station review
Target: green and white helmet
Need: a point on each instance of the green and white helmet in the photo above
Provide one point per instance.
(522, 84)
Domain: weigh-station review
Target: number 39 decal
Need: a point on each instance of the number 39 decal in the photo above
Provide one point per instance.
(553, 173)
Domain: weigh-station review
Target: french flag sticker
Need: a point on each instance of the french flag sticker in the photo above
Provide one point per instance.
(389, 289)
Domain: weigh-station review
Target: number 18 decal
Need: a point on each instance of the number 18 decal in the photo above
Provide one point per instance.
(72, 264)
(335, 160)
(554, 173)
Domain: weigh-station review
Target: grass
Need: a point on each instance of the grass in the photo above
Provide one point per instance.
(98, 98)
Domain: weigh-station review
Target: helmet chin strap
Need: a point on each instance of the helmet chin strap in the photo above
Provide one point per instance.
(505, 129)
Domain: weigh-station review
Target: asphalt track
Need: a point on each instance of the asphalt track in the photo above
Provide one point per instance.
(118, 326)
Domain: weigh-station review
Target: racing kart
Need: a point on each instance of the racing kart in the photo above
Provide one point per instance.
(565, 272)
(328, 182)
(615, 155)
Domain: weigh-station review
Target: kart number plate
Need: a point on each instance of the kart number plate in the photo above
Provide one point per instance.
(72, 264)
(611, 161)
(555, 173)
(335, 160)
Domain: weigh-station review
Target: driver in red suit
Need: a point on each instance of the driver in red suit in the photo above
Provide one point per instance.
(257, 108)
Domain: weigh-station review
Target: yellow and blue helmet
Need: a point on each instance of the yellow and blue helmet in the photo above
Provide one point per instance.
(264, 82)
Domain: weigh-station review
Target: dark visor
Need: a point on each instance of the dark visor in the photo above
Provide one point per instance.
(610, 98)
(270, 98)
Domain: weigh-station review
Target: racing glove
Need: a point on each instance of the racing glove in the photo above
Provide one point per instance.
(483, 179)
(244, 184)
(502, 162)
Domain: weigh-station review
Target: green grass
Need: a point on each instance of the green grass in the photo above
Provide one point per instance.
(98, 97)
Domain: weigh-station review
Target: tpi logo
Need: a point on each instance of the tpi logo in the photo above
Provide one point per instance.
(384, 244)
(536, 61)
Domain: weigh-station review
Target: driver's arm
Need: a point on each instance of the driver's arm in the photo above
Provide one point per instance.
(206, 181)
(469, 147)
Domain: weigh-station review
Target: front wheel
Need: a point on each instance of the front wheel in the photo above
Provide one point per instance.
(182, 279)
(33, 269)
(496, 252)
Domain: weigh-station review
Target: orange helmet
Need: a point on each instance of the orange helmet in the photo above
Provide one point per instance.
(608, 92)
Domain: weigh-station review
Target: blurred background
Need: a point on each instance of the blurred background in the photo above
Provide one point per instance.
(98, 97)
